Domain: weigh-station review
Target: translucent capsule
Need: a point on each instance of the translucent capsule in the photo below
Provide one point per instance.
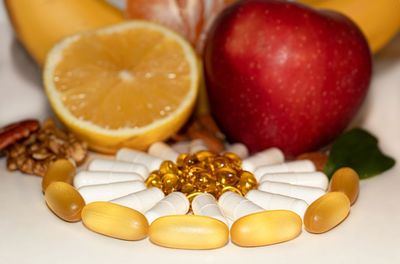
(266, 157)
(180, 160)
(109, 191)
(290, 166)
(114, 220)
(235, 206)
(61, 170)
(189, 232)
(227, 176)
(85, 178)
(118, 166)
(311, 179)
(168, 166)
(170, 182)
(172, 204)
(162, 151)
(203, 155)
(142, 200)
(197, 145)
(346, 180)
(239, 149)
(154, 180)
(64, 201)
(273, 201)
(266, 228)
(135, 156)
(326, 212)
(205, 204)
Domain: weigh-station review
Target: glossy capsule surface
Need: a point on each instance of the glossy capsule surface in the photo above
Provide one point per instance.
(115, 220)
(189, 232)
(266, 228)
(326, 212)
(61, 170)
(64, 201)
(346, 180)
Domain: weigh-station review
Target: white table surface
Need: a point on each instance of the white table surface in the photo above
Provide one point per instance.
(30, 233)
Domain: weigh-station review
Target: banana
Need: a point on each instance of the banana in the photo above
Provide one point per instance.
(39, 24)
(379, 20)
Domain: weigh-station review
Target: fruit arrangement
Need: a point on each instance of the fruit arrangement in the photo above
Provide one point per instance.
(283, 81)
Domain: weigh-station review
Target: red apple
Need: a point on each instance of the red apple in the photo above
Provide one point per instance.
(280, 74)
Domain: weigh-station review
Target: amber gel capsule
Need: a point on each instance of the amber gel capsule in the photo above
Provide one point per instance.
(64, 201)
(326, 212)
(346, 180)
(61, 170)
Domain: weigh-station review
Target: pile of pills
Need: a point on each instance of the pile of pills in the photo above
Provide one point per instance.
(202, 199)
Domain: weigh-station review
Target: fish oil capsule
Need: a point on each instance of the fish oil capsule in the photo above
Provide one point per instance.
(326, 212)
(311, 179)
(168, 166)
(266, 228)
(273, 201)
(64, 201)
(135, 156)
(197, 145)
(154, 180)
(86, 178)
(118, 166)
(114, 220)
(189, 232)
(308, 194)
(290, 166)
(235, 206)
(227, 176)
(346, 180)
(162, 151)
(61, 170)
(203, 155)
(266, 157)
(205, 204)
(239, 149)
(109, 191)
(172, 204)
(142, 200)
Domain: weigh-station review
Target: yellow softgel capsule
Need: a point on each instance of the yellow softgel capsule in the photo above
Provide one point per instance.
(326, 212)
(115, 220)
(61, 170)
(189, 232)
(266, 228)
(346, 180)
(64, 201)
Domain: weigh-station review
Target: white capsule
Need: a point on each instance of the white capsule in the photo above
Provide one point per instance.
(181, 146)
(85, 178)
(239, 149)
(312, 179)
(273, 201)
(197, 145)
(205, 204)
(162, 151)
(175, 203)
(142, 200)
(130, 155)
(118, 166)
(308, 194)
(266, 157)
(290, 166)
(235, 206)
(109, 191)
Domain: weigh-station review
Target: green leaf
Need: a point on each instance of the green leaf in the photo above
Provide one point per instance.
(359, 150)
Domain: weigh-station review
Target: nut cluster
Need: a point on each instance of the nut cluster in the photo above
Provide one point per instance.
(203, 171)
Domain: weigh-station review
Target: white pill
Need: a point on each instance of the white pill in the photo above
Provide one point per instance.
(290, 166)
(239, 149)
(197, 145)
(235, 206)
(130, 155)
(266, 157)
(273, 201)
(142, 200)
(109, 191)
(312, 179)
(308, 194)
(163, 151)
(118, 166)
(205, 204)
(84, 178)
(181, 146)
(175, 203)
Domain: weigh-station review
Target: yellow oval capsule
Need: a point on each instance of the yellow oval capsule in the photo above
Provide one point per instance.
(115, 220)
(61, 170)
(326, 212)
(189, 232)
(266, 228)
(346, 180)
(64, 201)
